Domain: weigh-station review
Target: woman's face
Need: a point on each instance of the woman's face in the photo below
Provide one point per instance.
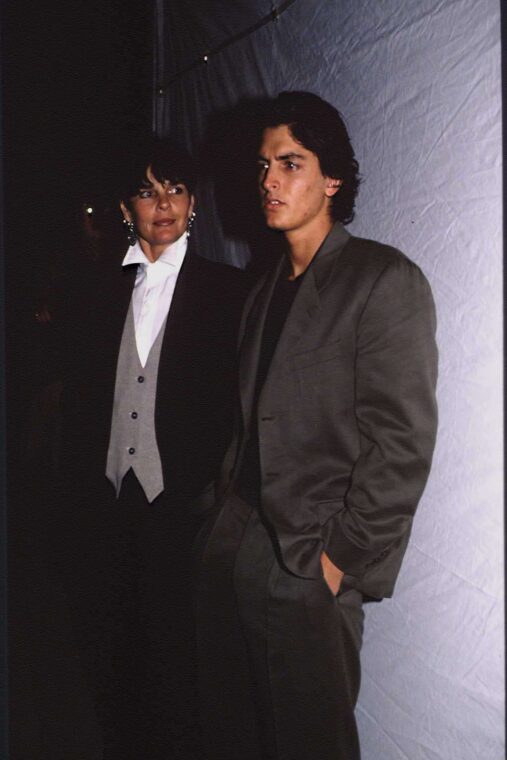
(160, 213)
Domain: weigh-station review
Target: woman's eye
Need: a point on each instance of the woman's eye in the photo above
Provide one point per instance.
(175, 190)
(145, 193)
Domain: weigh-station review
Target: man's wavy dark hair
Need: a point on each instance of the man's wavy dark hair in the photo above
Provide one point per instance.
(320, 128)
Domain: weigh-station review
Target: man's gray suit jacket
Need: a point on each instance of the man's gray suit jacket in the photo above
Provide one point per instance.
(347, 414)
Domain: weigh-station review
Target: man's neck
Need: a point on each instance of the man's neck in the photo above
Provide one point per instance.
(302, 246)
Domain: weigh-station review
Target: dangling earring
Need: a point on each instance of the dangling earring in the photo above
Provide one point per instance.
(130, 231)
(191, 220)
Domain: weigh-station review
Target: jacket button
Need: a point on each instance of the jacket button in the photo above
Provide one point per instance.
(132, 450)
(140, 379)
(133, 415)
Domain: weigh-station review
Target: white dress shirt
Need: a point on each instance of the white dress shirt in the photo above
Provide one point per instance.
(153, 291)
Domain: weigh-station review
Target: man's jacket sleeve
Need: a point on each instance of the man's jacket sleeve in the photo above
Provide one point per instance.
(395, 407)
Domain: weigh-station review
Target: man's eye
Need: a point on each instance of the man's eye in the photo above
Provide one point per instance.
(290, 165)
(262, 166)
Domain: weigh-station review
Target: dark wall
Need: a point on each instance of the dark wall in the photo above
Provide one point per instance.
(75, 74)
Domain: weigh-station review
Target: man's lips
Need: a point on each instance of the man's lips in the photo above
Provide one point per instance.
(270, 204)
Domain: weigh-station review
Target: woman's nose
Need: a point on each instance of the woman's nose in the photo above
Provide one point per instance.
(163, 200)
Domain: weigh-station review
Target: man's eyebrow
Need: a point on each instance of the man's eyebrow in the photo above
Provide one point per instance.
(284, 157)
(289, 156)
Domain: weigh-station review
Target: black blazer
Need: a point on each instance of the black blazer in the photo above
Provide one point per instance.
(347, 415)
(196, 378)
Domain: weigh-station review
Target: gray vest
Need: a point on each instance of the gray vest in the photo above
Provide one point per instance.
(133, 442)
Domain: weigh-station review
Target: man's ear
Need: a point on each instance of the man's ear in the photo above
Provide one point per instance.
(332, 186)
(126, 213)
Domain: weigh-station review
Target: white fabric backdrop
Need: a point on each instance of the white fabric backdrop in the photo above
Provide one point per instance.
(419, 85)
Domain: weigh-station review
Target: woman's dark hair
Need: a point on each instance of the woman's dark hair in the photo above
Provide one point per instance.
(168, 160)
(320, 128)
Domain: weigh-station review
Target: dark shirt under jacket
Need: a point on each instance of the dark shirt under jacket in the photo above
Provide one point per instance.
(285, 291)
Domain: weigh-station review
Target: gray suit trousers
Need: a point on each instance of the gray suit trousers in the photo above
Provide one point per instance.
(278, 654)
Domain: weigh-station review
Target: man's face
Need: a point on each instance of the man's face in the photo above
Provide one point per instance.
(295, 194)
(160, 213)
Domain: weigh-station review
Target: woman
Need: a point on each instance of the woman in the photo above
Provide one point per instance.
(146, 421)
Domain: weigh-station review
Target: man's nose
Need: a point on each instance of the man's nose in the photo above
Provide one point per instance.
(269, 179)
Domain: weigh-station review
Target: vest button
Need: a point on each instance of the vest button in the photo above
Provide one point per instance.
(140, 379)
(133, 415)
(132, 450)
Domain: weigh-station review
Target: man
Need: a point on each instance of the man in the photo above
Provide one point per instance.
(337, 370)
(147, 411)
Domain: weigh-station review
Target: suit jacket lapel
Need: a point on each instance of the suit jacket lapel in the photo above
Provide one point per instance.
(179, 319)
(328, 255)
(128, 279)
(251, 337)
(304, 311)
(184, 302)
(183, 328)
(307, 304)
(115, 301)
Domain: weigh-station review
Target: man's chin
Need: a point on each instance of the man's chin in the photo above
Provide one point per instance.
(274, 224)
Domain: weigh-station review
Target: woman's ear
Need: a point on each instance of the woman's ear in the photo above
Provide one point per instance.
(126, 213)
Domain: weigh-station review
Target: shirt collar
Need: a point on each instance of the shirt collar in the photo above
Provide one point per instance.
(172, 255)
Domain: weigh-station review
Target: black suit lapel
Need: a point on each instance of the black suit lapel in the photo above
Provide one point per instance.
(111, 312)
(181, 317)
(114, 326)
(128, 278)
